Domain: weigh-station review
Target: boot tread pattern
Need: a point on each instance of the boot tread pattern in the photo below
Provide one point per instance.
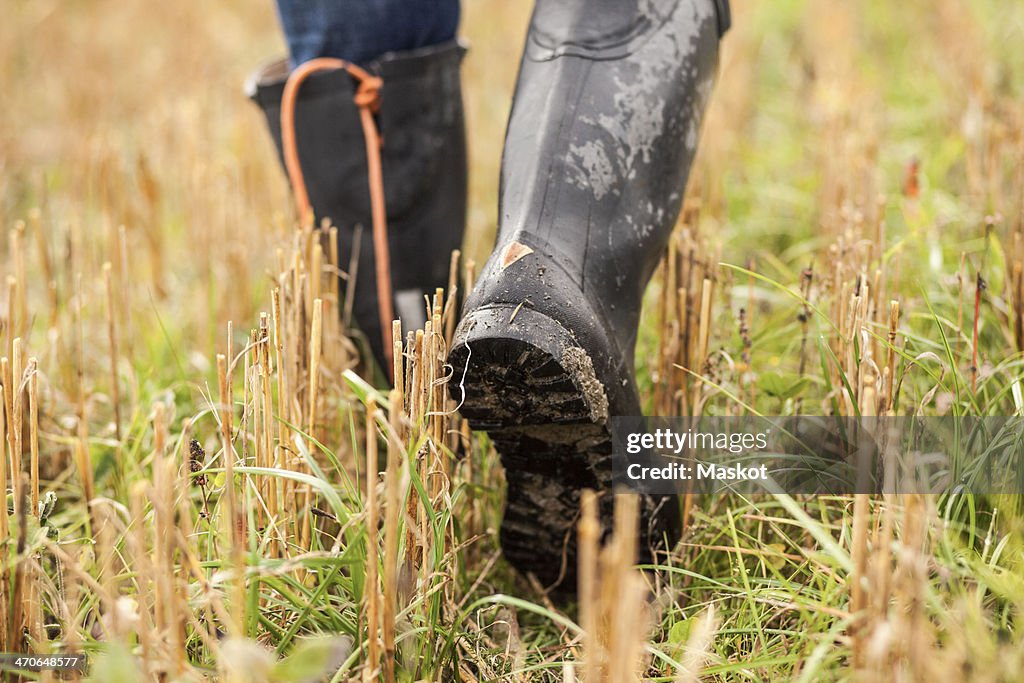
(540, 422)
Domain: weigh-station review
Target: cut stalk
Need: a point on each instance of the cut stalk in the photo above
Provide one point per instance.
(315, 348)
(979, 287)
(20, 275)
(4, 521)
(10, 465)
(396, 356)
(235, 544)
(17, 427)
(33, 442)
(890, 365)
(392, 513)
(372, 604)
(451, 307)
(115, 385)
(589, 535)
(12, 314)
(859, 552)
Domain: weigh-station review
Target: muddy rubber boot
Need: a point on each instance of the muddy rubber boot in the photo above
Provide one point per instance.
(604, 126)
(421, 124)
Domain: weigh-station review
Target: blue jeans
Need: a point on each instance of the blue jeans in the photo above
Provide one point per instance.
(361, 30)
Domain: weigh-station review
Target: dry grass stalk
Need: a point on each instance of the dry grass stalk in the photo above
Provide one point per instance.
(624, 594)
(281, 455)
(21, 590)
(1017, 280)
(912, 630)
(1014, 265)
(35, 217)
(396, 354)
(17, 252)
(297, 335)
(229, 351)
(890, 363)
(961, 280)
(83, 462)
(70, 607)
(182, 542)
(703, 336)
(806, 284)
(115, 382)
(234, 522)
(316, 267)
(252, 424)
(16, 427)
(6, 376)
(266, 410)
(4, 528)
(410, 364)
(880, 569)
(424, 457)
(168, 614)
(416, 391)
(392, 514)
(372, 522)
(34, 580)
(451, 312)
(315, 355)
(589, 536)
(687, 294)
(415, 410)
(138, 546)
(12, 313)
(4, 467)
(79, 382)
(686, 299)
(33, 401)
(859, 578)
(124, 277)
(747, 379)
(614, 614)
(669, 326)
(979, 287)
(109, 563)
(441, 465)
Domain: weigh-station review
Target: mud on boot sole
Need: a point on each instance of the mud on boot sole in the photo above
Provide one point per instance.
(520, 376)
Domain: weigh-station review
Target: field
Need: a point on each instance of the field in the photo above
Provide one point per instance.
(852, 243)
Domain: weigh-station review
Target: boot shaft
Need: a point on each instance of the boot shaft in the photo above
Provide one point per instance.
(423, 155)
(604, 127)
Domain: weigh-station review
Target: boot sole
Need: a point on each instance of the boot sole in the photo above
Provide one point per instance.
(520, 376)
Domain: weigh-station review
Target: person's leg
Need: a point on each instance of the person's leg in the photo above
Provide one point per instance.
(604, 126)
(362, 30)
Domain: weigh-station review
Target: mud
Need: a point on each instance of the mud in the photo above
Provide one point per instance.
(581, 368)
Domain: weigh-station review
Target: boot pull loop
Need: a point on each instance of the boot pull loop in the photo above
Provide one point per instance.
(367, 99)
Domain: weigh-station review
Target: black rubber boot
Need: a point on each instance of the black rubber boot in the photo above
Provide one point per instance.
(604, 127)
(424, 166)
